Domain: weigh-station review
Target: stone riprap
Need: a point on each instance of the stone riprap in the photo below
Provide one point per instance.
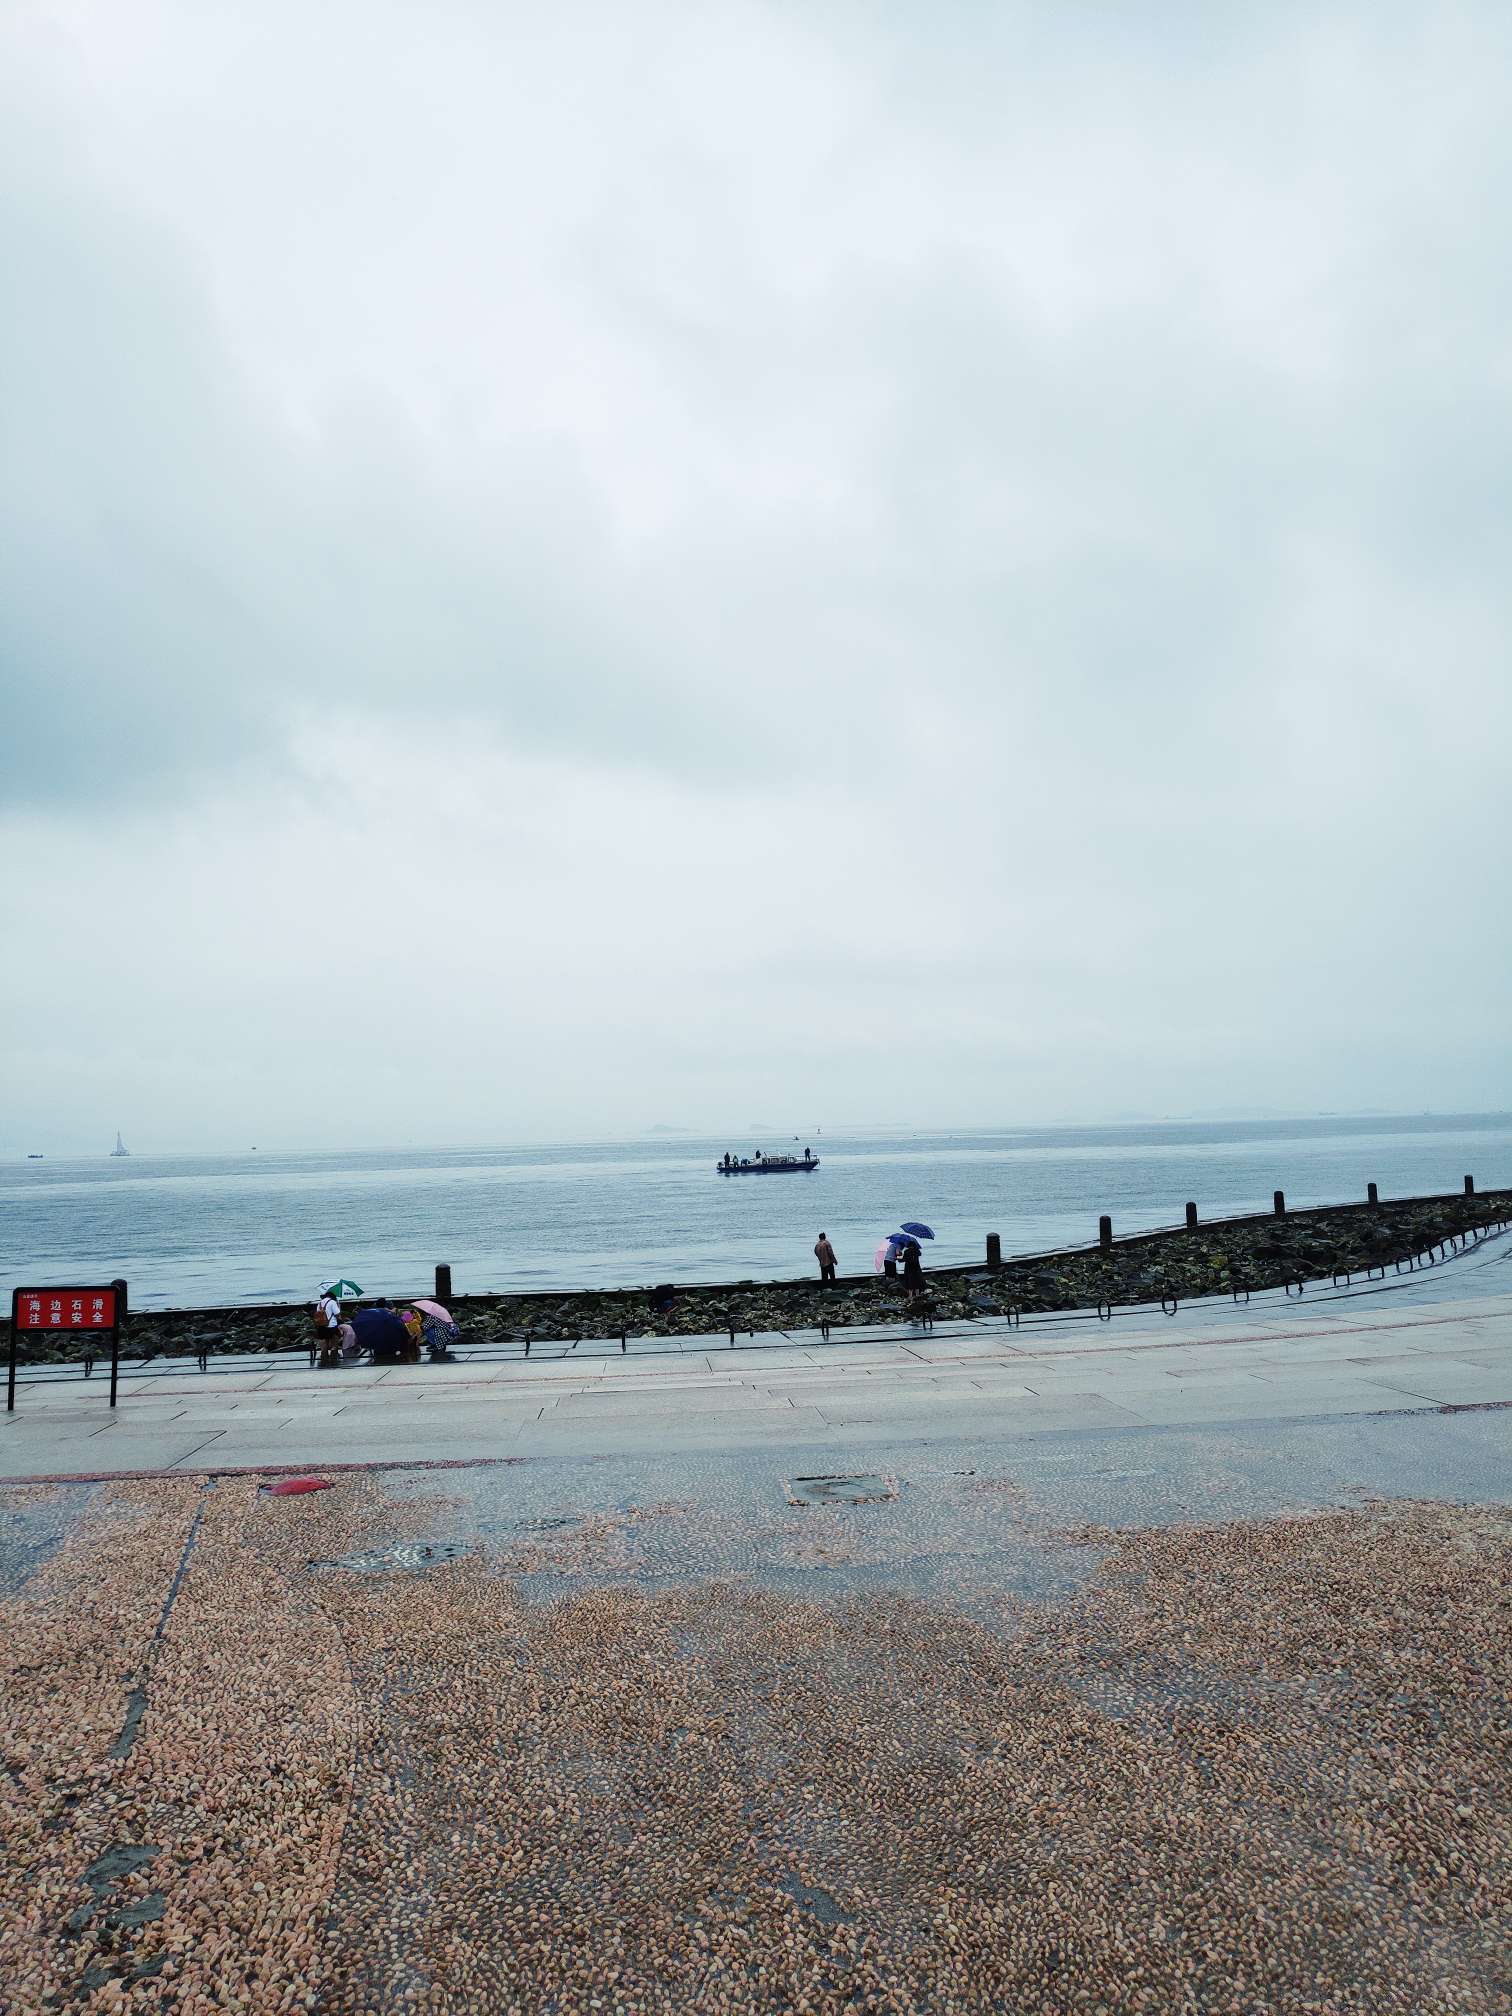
(1233, 1255)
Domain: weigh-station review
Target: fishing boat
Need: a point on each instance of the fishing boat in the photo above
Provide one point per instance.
(120, 1148)
(766, 1165)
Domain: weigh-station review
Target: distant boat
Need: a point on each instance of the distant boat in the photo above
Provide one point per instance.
(34, 1157)
(120, 1148)
(766, 1165)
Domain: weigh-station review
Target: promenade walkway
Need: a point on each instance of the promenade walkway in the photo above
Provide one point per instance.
(1413, 1344)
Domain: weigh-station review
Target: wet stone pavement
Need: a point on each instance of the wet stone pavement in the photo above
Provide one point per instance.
(1198, 1719)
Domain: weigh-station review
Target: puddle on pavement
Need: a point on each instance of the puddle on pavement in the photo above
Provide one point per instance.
(988, 1527)
(959, 1537)
(102, 1876)
(34, 1522)
(405, 1557)
(813, 1899)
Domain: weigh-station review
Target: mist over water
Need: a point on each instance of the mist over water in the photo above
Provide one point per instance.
(201, 1230)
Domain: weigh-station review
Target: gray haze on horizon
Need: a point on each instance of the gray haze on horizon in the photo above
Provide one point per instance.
(668, 564)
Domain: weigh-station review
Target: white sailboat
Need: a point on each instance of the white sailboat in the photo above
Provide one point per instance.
(120, 1148)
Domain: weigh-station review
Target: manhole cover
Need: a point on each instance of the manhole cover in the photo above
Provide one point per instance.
(839, 1490)
(408, 1554)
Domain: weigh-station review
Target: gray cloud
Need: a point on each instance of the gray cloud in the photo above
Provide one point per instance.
(1061, 457)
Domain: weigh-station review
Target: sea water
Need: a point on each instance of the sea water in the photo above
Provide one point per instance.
(197, 1230)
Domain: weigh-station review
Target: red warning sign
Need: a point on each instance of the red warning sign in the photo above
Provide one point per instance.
(64, 1308)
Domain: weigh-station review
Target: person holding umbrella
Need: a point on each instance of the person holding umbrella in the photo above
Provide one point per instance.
(438, 1328)
(328, 1323)
(381, 1333)
(913, 1269)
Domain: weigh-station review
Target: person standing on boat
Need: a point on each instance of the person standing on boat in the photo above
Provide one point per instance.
(824, 1253)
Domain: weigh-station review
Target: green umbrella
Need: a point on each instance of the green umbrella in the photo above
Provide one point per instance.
(343, 1290)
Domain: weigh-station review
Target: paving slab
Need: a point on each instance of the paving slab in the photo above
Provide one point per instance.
(1261, 1402)
(931, 1402)
(1023, 1413)
(1460, 1386)
(556, 1436)
(147, 1449)
(696, 1405)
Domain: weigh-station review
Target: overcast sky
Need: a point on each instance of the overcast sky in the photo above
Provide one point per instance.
(567, 568)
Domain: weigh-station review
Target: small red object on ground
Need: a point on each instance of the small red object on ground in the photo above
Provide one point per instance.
(290, 1487)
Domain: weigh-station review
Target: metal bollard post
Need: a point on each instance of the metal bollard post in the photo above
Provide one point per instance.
(1469, 1186)
(115, 1333)
(10, 1377)
(1372, 1194)
(1105, 1233)
(443, 1284)
(622, 1345)
(1279, 1201)
(115, 1336)
(1191, 1216)
(994, 1251)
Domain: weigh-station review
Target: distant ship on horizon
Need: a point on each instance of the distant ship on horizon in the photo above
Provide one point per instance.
(120, 1148)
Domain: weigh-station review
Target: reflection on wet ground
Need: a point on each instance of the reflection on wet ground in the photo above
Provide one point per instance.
(932, 1522)
(33, 1521)
(1158, 1720)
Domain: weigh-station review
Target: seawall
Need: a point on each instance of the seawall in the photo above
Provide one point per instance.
(1235, 1255)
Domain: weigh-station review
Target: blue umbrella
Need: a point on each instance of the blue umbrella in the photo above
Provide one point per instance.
(919, 1231)
(380, 1330)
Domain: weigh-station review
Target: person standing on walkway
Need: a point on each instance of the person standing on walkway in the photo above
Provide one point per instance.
(824, 1253)
(328, 1325)
(913, 1269)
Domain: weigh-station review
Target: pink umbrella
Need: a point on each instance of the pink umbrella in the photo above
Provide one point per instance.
(440, 1328)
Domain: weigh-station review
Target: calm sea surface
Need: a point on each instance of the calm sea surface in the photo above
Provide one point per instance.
(206, 1229)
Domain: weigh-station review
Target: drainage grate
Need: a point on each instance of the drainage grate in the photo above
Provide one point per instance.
(406, 1555)
(840, 1490)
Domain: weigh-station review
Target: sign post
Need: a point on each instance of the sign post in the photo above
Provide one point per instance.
(35, 1310)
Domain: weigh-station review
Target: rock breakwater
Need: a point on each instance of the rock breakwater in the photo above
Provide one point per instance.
(1231, 1256)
